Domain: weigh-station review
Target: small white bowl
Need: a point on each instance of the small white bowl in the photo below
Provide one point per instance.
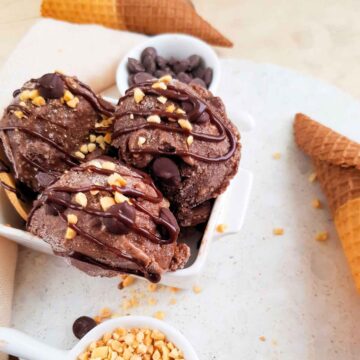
(176, 45)
(16, 343)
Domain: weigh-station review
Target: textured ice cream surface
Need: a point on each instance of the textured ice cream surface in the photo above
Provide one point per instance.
(47, 128)
(107, 218)
(182, 136)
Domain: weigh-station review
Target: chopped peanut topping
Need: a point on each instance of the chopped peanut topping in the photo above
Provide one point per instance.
(316, 204)
(322, 236)
(170, 108)
(68, 95)
(190, 140)
(70, 234)
(19, 114)
(92, 138)
(72, 219)
(312, 177)
(152, 287)
(276, 156)
(162, 99)
(278, 231)
(160, 315)
(91, 147)
(79, 155)
(73, 102)
(180, 111)
(116, 179)
(81, 199)
(185, 124)
(138, 95)
(141, 140)
(96, 164)
(127, 281)
(84, 149)
(107, 138)
(39, 101)
(197, 289)
(106, 202)
(166, 78)
(25, 95)
(159, 85)
(154, 119)
(120, 198)
(108, 165)
(262, 338)
(221, 228)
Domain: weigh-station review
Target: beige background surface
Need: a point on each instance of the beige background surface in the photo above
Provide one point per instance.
(319, 37)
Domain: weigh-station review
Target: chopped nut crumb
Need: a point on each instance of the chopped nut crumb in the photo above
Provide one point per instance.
(91, 147)
(221, 228)
(105, 312)
(92, 138)
(312, 177)
(160, 315)
(96, 164)
(39, 101)
(107, 138)
(197, 289)
(72, 219)
(162, 99)
(127, 281)
(79, 155)
(120, 198)
(154, 119)
(180, 111)
(100, 139)
(316, 204)
(108, 165)
(322, 236)
(152, 287)
(70, 233)
(84, 149)
(73, 102)
(159, 85)
(278, 231)
(68, 95)
(166, 79)
(190, 140)
(185, 124)
(19, 114)
(138, 95)
(81, 199)
(170, 108)
(174, 289)
(25, 95)
(262, 338)
(116, 179)
(141, 140)
(106, 202)
(276, 156)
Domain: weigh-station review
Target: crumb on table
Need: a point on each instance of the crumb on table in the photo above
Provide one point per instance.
(322, 236)
(278, 231)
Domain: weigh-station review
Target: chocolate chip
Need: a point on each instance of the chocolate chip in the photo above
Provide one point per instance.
(45, 179)
(183, 77)
(160, 73)
(203, 118)
(172, 61)
(181, 66)
(149, 51)
(198, 81)
(51, 86)
(82, 326)
(149, 64)
(169, 217)
(53, 208)
(194, 61)
(131, 80)
(199, 72)
(187, 106)
(166, 171)
(161, 62)
(142, 77)
(207, 77)
(134, 66)
(116, 226)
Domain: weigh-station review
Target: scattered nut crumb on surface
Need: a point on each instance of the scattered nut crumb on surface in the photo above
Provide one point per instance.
(221, 228)
(322, 236)
(278, 231)
(316, 204)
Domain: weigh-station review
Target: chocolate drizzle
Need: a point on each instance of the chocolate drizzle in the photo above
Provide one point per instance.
(51, 195)
(199, 107)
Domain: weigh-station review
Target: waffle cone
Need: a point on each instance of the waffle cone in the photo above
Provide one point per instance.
(322, 143)
(347, 221)
(339, 184)
(146, 16)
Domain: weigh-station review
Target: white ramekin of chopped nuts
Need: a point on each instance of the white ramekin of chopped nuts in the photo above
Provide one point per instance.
(126, 338)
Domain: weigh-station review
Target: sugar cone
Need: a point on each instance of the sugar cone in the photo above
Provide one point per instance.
(147, 16)
(347, 221)
(322, 143)
(339, 184)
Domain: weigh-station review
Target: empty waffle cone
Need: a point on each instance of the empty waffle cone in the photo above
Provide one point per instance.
(322, 143)
(146, 16)
(347, 221)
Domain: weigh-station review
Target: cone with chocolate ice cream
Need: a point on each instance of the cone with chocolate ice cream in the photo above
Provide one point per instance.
(337, 162)
(146, 16)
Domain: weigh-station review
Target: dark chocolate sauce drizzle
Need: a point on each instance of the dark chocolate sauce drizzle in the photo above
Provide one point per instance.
(199, 107)
(50, 196)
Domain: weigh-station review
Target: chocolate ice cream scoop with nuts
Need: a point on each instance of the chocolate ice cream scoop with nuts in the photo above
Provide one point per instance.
(106, 219)
(181, 135)
(53, 123)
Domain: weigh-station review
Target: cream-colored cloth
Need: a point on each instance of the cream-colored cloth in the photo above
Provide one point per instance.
(91, 53)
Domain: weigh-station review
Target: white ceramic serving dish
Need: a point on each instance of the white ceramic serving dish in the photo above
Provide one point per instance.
(16, 343)
(168, 45)
(225, 211)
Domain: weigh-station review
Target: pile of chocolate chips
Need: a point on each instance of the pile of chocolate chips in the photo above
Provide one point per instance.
(189, 71)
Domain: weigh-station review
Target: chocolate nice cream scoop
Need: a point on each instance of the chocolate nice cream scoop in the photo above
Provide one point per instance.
(107, 218)
(53, 123)
(181, 135)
